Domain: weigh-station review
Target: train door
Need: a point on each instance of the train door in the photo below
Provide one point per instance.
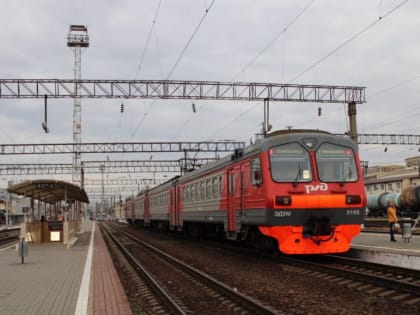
(178, 208)
(133, 213)
(231, 217)
(146, 210)
(172, 208)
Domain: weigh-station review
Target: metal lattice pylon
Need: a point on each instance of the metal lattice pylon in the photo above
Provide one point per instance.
(77, 39)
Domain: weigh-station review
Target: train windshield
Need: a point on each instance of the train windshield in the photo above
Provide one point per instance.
(290, 163)
(336, 163)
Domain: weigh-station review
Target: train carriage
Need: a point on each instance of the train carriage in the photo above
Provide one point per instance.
(135, 210)
(301, 191)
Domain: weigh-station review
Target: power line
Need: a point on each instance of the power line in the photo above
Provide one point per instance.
(189, 41)
(348, 41)
(148, 39)
(323, 58)
(273, 40)
(175, 65)
(266, 47)
(387, 89)
(152, 27)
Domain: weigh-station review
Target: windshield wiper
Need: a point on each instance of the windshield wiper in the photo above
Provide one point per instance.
(298, 176)
(346, 177)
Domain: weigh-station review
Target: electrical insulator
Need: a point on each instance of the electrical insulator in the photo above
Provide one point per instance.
(319, 111)
(122, 108)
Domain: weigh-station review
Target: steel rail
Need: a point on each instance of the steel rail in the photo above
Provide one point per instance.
(360, 274)
(154, 286)
(254, 306)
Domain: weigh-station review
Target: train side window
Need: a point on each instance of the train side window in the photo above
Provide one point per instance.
(215, 187)
(193, 196)
(208, 189)
(197, 191)
(203, 190)
(220, 185)
(256, 175)
(189, 193)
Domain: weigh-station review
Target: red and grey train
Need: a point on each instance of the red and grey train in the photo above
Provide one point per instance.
(299, 191)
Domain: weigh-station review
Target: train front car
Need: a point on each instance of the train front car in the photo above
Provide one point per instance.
(315, 195)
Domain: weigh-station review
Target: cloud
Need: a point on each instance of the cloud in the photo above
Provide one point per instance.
(232, 34)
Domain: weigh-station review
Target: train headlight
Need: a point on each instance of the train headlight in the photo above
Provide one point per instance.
(353, 199)
(283, 200)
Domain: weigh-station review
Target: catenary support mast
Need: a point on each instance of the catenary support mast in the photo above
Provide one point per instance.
(77, 39)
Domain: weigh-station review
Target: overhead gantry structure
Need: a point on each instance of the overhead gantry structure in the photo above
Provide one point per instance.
(121, 147)
(166, 89)
(175, 89)
(126, 166)
(178, 89)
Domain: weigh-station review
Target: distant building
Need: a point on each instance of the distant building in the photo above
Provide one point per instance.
(13, 206)
(392, 178)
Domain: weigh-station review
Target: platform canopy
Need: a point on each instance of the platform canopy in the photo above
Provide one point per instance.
(49, 191)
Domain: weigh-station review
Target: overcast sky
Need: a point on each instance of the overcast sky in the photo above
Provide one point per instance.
(367, 43)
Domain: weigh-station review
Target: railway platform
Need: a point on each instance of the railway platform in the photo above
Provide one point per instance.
(377, 247)
(56, 279)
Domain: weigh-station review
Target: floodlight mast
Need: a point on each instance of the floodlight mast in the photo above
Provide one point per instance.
(77, 39)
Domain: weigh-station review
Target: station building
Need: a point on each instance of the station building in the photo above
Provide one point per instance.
(55, 209)
(392, 178)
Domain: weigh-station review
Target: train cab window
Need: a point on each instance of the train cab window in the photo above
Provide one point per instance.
(256, 175)
(290, 163)
(336, 163)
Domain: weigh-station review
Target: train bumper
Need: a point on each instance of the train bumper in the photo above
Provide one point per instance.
(292, 240)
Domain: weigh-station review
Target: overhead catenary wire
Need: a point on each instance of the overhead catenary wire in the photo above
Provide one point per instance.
(148, 39)
(146, 45)
(345, 43)
(139, 67)
(381, 17)
(273, 40)
(390, 88)
(189, 40)
(260, 52)
(176, 63)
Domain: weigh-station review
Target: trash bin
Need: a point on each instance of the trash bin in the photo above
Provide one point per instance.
(406, 230)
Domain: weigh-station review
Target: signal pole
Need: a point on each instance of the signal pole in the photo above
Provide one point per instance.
(77, 39)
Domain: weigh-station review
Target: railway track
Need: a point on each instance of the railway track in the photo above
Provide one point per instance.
(9, 236)
(181, 288)
(400, 284)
